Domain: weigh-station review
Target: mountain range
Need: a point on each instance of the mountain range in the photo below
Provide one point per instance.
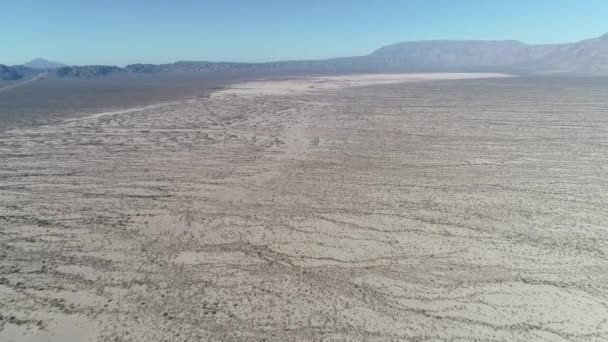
(584, 57)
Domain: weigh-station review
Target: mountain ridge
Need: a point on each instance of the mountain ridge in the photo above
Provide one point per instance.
(589, 56)
(9, 74)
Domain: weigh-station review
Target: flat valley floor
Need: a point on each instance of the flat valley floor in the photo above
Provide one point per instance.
(471, 210)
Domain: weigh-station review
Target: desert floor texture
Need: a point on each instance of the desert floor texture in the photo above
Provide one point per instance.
(367, 208)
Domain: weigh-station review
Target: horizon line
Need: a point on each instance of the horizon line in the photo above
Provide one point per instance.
(602, 35)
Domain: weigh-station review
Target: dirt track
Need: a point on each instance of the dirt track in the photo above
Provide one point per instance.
(462, 209)
(15, 85)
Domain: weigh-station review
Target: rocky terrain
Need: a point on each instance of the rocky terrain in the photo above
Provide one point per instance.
(364, 209)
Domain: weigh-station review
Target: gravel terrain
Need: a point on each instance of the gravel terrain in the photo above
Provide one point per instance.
(366, 210)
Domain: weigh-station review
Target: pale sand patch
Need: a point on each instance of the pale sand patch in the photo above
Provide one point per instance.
(226, 258)
(5, 290)
(86, 272)
(80, 298)
(310, 84)
(74, 328)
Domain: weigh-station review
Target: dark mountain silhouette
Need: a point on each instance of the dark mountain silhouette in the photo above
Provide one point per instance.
(9, 74)
(88, 71)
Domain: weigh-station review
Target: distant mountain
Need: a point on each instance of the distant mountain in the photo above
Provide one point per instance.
(9, 74)
(43, 64)
(446, 55)
(88, 71)
(584, 57)
(25, 71)
(587, 56)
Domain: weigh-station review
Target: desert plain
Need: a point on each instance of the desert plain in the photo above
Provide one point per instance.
(424, 207)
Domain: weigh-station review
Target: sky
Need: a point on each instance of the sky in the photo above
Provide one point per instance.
(120, 32)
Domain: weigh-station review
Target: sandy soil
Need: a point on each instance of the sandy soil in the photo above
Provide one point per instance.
(323, 83)
(448, 210)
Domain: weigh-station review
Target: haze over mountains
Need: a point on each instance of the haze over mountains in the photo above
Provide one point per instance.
(41, 63)
(584, 57)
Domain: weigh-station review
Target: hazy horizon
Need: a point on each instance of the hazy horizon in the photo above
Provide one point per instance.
(117, 33)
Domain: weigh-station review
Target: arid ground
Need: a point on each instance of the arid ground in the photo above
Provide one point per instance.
(421, 208)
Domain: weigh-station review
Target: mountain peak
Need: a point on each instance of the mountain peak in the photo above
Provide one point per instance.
(41, 63)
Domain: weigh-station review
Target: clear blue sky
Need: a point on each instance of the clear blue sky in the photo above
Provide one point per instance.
(153, 31)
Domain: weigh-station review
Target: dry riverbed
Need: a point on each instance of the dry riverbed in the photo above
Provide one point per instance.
(417, 207)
